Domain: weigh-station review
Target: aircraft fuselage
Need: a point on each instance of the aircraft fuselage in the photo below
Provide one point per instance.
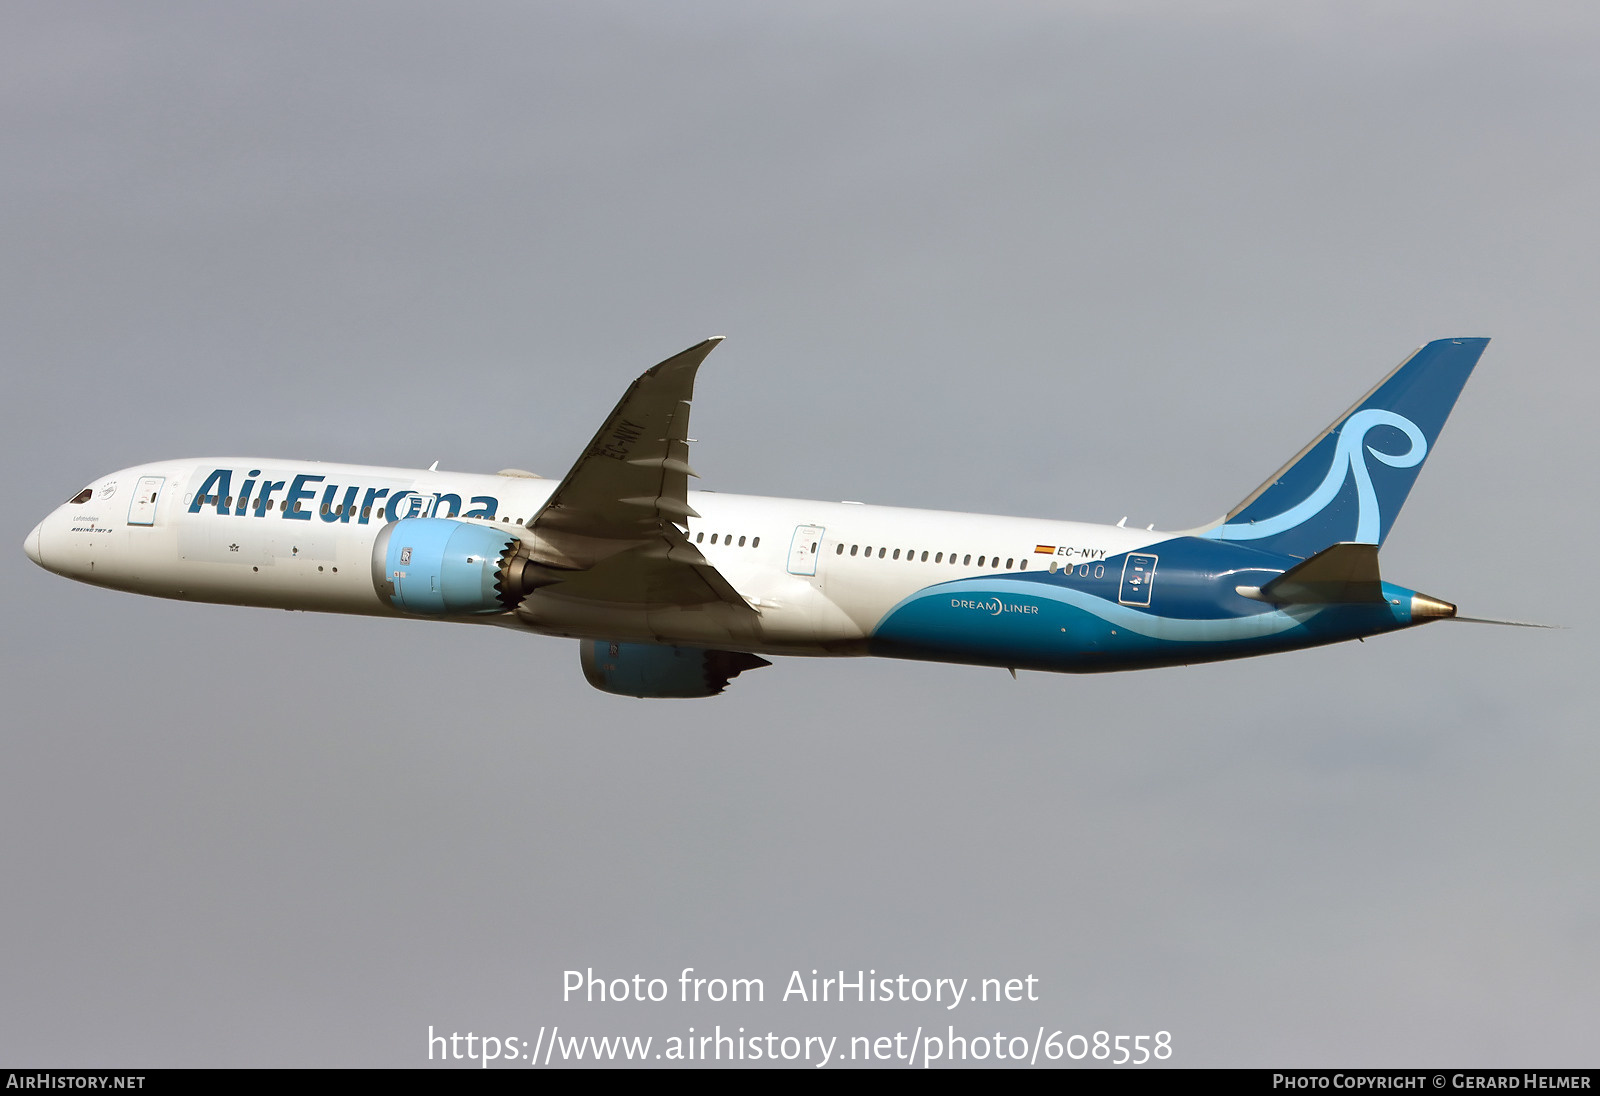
(825, 578)
(674, 592)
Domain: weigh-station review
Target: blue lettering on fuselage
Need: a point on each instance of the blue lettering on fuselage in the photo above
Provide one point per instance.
(216, 492)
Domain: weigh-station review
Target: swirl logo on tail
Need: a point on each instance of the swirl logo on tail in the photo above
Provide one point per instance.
(1348, 461)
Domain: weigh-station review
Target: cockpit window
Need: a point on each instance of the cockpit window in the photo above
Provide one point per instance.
(82, 496)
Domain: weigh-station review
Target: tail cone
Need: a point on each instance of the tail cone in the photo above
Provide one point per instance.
(1424, 607)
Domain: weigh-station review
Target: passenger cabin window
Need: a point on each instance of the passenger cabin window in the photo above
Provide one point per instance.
(756, 543)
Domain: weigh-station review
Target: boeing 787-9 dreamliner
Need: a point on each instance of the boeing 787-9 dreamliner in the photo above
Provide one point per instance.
(672, 592)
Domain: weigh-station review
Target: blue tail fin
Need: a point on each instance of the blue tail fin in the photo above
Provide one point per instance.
(1330, 492)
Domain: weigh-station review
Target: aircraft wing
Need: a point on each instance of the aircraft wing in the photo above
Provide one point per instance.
(611, 532)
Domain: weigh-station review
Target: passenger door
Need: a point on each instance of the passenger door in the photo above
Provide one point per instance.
(142, 510)
(803, 549)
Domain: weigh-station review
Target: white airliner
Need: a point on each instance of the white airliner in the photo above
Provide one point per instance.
(673, 593)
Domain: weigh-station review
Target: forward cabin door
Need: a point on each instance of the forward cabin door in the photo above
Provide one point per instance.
(142, 510)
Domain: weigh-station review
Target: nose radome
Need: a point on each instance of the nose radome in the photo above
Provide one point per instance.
(31, 545)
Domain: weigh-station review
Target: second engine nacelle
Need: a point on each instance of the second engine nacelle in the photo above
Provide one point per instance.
(653, 670)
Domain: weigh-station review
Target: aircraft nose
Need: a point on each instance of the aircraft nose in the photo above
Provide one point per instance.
(31, 545)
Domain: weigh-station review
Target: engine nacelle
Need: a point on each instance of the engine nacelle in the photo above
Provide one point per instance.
(659, 671)
(442, 567)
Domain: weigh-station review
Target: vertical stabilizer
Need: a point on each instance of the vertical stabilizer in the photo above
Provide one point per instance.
(1348, 485)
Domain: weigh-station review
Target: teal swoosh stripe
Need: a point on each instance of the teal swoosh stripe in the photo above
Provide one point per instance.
(1171, 629)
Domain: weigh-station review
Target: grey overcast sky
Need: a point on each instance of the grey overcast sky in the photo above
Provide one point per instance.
(1075, 260)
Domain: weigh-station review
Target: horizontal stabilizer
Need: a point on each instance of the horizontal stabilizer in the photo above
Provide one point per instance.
(1343, 574)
